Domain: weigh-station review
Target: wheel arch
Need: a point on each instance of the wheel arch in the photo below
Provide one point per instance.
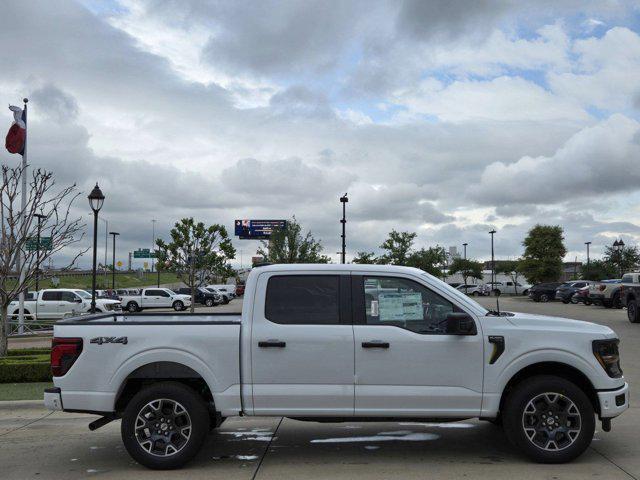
(557, 369)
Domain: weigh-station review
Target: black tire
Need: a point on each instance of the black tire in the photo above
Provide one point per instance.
(616, 302)
(209, 302)
(476, 294)
(566, 300)
(632, 311)
(544, 298)
(16, 314)
(516, 419)
(133, 307)
(588, 302)
(607, 303)
(178, 306)
(197, 415)
(525, 293)
(574, 300)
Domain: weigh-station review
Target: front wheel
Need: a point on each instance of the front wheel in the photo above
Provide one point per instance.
(550, 419)
(544, 298)
(178, 306)
(632, 311)
(209, 302)
(132, 307)
(476, 294)
(164, 425)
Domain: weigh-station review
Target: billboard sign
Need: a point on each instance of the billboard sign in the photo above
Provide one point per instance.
(257, 229)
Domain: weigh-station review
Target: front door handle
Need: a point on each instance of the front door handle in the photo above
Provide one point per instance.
(271, 344)
(375, 344)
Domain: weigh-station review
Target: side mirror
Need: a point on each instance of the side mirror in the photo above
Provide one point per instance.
(77, 300)
(460, 323)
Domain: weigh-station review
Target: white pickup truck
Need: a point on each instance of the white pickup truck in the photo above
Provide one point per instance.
(156, 298)
(52, 304)
(339, 343)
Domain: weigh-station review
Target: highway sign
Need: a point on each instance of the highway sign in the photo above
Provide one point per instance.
(257, 229)
(144, 253)
(45, 243)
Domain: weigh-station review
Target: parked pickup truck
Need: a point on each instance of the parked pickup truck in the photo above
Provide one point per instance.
(52, 304)
(630, 295)
(339, 343)
(156, 298)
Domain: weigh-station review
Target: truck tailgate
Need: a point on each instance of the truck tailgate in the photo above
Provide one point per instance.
(116, 345)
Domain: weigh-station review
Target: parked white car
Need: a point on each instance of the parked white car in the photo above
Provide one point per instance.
(475, 290)
(339, 343)
(509, 287)
(229, 290)
(156, 298)
(52, 304)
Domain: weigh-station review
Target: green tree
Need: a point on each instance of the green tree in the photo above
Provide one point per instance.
(543, 253)
(599, 270)
(398, 247)
(366, 258)
(513, 268)
(622, 261)
(288, 245)
(467, 268)
(428, 259)
(195, 253)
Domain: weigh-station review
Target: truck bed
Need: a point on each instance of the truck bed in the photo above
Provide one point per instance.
(116, 345)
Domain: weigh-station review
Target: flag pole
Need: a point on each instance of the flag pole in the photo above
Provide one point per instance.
(24, 220)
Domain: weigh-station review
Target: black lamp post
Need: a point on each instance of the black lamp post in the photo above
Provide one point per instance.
(113, 270)
(587, 244)
(493, 263)
(618, 246)
(40, 217)
(96, 200)
(344, 201)
(464, 245)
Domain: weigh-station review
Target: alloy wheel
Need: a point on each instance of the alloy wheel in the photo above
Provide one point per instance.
(551, 421)
(163, 427)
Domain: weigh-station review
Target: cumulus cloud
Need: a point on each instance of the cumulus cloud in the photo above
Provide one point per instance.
(596, 160)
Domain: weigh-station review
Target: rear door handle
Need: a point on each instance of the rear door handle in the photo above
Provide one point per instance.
(375, 344)
(271, 344)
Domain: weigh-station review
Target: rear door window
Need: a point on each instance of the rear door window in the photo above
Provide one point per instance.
(303, 300)
(51, 296)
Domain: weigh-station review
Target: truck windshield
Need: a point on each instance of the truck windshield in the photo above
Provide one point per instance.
(82, 293)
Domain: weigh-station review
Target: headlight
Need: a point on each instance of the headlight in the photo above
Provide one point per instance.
(606, 351)
(107, 306)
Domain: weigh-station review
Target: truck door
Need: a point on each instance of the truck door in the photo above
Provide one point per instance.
(302, 345)
(48, 304)
(152, 298)
(68, 303)
(406, 364)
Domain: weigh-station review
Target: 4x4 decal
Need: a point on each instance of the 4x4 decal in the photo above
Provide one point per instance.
(101, 340)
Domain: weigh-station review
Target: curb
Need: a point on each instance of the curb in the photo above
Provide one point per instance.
(21, 404)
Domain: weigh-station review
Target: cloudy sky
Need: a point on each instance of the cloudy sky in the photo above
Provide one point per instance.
(444, 117)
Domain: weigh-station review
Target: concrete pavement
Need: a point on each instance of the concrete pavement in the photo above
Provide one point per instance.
(36, 444)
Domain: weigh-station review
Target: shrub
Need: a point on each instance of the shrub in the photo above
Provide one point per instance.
(33, 365)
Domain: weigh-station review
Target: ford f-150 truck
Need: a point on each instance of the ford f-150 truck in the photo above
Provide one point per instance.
(156, 298)
(339, 343)
(52, 304)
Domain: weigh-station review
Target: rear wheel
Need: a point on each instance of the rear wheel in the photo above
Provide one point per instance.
(178, 306)
(544, 298)
(632, 311)
(209, 302)
(607, 303)
(615, 301)
(476, 294)
(164, 425)
(132, 307)
(550, 419)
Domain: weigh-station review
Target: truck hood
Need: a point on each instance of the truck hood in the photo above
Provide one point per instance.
(559, 324)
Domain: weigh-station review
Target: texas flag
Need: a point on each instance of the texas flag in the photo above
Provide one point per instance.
(18, 132)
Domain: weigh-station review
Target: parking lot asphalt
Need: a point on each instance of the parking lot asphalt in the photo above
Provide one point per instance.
(37, 444)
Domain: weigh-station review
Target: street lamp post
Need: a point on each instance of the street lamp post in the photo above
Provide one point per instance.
(344, 201)
(618, 247)
(96, 200)
(493, 262)
(153, 244)
(587, 244)
(113, 270)
(464, 245)
(40, 217)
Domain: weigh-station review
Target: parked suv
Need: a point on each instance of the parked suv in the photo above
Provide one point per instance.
(543, 292)
(567, 290)
(202, 296)
(606, 293)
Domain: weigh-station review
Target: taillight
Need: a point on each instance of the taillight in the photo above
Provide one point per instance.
(64, 352)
